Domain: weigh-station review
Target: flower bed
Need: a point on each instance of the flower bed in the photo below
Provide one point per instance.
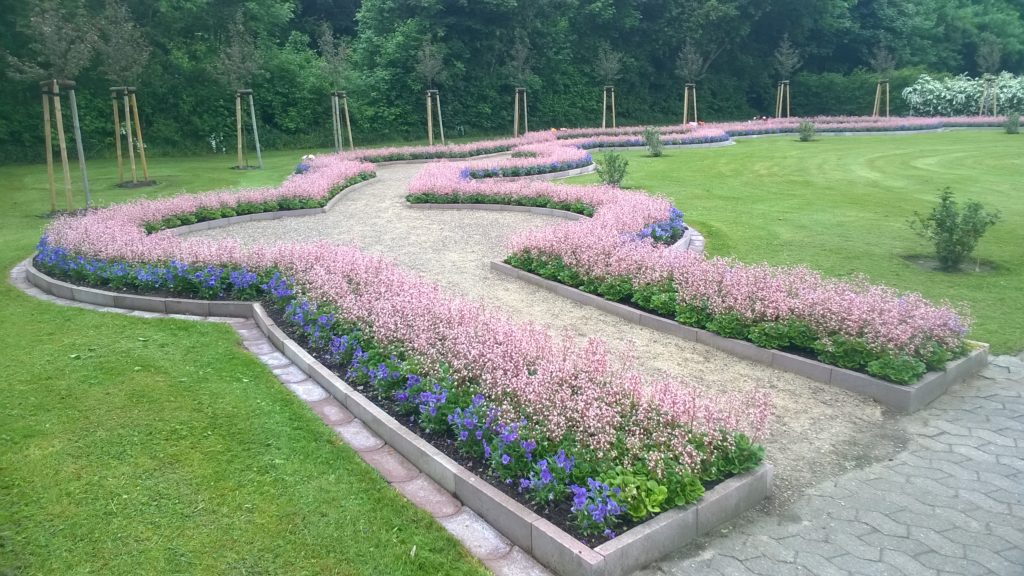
(619, 254)
(561, 424)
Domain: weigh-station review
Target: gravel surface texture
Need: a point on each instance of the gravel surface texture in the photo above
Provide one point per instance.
(819, 432)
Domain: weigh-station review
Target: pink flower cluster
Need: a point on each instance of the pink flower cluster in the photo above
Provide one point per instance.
(567, 390)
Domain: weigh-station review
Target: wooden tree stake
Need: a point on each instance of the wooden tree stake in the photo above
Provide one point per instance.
(117, 136)
(613, 107)
(59, 119)
(238, 126)
(430, 120)
(348, 123)
(440, 121)
(521, 94)
(604, 106)
(138, 135)
(49, 149)
(782, 99)
(335, 125)
(128, 136)
(79, 149)
(255, 132)
(515, 116)
(689, 89)
(882, 88)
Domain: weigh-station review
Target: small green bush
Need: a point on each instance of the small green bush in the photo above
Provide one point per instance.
(612, 168)
(652, 137)
(1012, 124)
(953, 231)
(806, 131)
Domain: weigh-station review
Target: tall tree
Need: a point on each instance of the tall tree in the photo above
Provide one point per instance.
(62, 42)
(787, 58)
(240, 59)
(123, 50)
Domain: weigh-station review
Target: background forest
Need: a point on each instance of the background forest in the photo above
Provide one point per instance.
(563, 51)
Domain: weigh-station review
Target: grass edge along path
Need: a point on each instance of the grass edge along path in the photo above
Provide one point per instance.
(839, 205)
(133, 446)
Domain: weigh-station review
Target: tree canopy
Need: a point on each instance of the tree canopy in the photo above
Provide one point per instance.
(562, 50)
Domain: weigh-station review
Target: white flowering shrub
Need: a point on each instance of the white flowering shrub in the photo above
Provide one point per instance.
(961, 95)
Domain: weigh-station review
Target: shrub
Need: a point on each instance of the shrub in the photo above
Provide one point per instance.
(953, 231)
(1013, 124)
(652, 137)
(806, 131)
(612, 168)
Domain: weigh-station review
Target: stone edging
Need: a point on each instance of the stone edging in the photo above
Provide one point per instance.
(429, 160)
(222, 222)
(728, 142)
(691, 240)
(855, 133)
(547, 175)
(534, 535)
(899, 397)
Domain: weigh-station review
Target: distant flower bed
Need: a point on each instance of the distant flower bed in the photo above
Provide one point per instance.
(701, 135)
(560, 424)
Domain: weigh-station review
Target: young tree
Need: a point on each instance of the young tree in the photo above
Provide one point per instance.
(123, 50)
(608, 64)
(990, 53)
(787, 58)
(334, 55)
(519, 60)
(239, 61)
(691, 64)
(63, 40)
(882, 61)
(430, 64)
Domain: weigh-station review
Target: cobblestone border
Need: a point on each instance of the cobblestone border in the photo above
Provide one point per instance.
(899, 397)
(548, 175)
(499, 531)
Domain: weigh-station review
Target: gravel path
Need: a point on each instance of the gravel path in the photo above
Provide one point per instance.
(819, 432)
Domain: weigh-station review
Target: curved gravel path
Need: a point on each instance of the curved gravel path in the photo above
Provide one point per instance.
(819, 432)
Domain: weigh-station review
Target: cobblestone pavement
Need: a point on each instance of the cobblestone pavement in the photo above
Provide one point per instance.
(951, 503)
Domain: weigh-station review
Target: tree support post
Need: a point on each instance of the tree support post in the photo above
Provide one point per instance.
(440, 121)
(782, 100)
(348, 123)
(689, 96)
(138, 133)
(114, 91)
(128, 136)
(238, 126)
(604, 106)
(430, 118)
(79, 149)
(521, 97)
(613, 106)
(59, 119)
(46, 92)
(255, 131)
(881, 91)
(335, 122)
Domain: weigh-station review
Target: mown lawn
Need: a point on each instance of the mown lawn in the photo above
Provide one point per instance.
(132, 446)
(840, 205)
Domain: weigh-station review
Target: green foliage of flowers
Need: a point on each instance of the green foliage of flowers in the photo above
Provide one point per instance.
(205, 214)
(532, 201)
(952, 230)
(640, 495)
(612, 168)
(662, 299)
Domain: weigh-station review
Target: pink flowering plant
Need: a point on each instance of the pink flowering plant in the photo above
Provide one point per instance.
(547, 418)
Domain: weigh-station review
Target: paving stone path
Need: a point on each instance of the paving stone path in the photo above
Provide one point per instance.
(952, 503)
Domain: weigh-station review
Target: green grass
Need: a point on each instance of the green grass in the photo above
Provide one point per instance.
(840, 206)
(132, 446)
